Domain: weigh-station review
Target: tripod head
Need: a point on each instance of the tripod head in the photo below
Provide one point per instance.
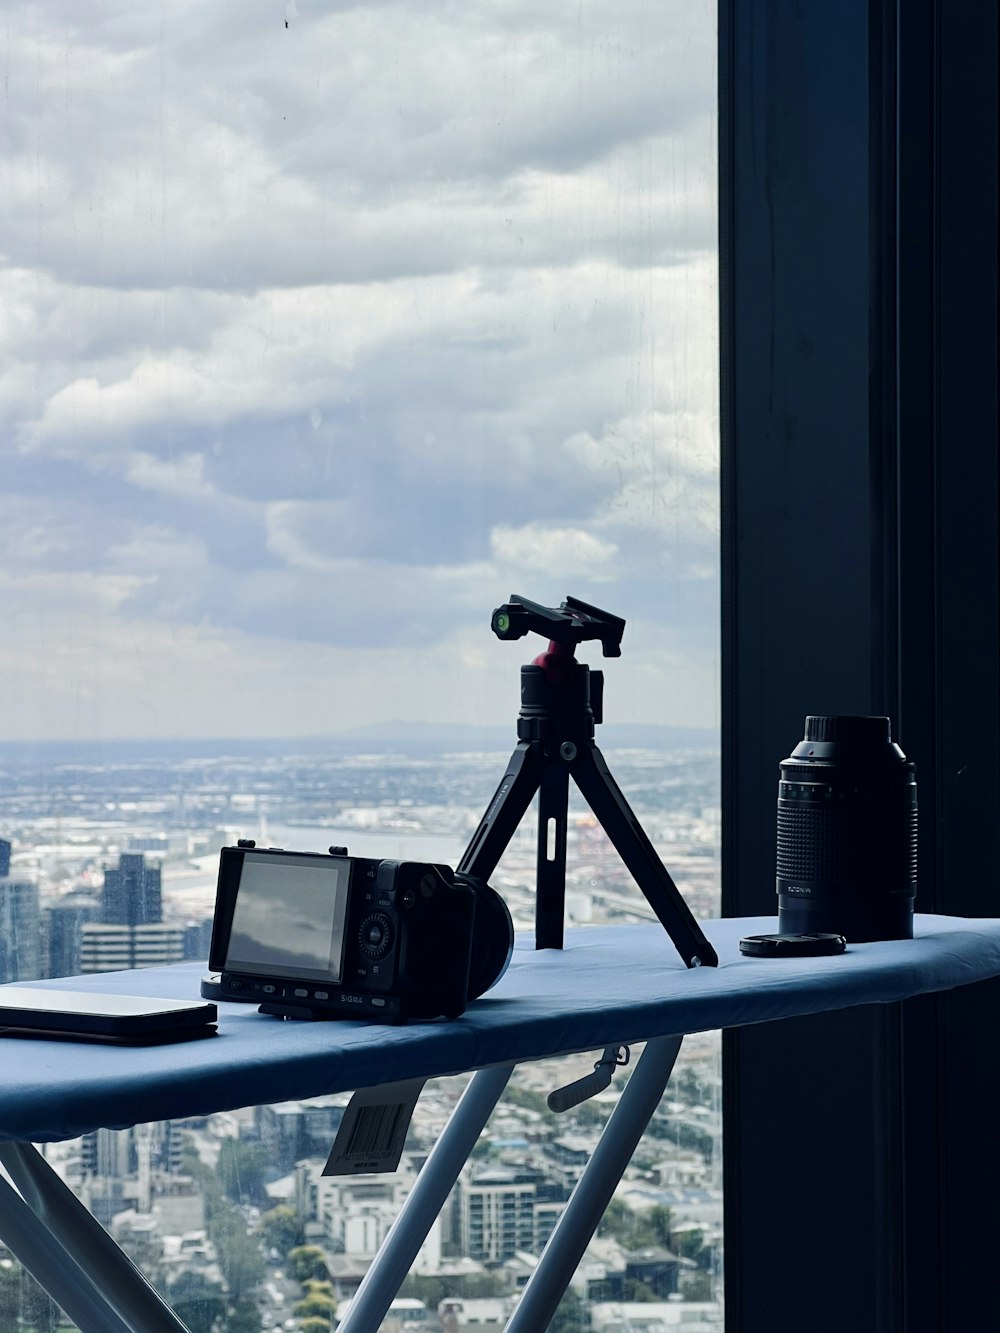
(568, 624)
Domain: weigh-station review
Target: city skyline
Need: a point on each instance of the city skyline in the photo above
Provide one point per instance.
(176, 1193)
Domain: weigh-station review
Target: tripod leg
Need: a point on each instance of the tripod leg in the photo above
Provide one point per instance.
(553, 796)
(603, 795)
(503, 814)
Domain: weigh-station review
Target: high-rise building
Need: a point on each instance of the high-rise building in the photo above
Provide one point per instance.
(20, 925)
(291, 1131)
(157, 944)
(130, 932)
(116, 948)
(198, 939)
(132, 892)
(497, 1213)
(108, 1152)
(114, 1152)
(65, 919)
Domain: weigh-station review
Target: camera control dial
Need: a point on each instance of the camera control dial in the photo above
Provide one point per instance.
(375, 935)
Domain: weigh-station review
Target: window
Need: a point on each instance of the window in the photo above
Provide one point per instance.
(325, 330)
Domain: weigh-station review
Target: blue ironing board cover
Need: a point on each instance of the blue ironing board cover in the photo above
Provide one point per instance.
(619, 983)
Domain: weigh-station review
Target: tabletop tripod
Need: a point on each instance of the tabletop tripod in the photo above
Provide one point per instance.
(561, 703)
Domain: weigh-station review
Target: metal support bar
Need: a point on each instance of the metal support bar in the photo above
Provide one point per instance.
(595, 1187)
(105, 1265)
(425, 1201)
(32, 1244)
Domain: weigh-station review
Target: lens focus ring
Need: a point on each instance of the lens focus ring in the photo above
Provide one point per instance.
(818, 843)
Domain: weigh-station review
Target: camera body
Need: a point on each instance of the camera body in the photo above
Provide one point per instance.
(314, 935)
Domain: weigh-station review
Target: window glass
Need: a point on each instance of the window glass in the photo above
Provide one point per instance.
(324, 329)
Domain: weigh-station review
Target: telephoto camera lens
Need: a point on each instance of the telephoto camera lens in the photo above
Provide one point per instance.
(847, 832)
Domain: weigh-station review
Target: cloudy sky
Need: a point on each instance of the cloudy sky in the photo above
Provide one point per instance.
(327, 326)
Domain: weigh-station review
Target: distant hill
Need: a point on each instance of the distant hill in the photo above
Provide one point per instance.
(457, 737)
(380, 737)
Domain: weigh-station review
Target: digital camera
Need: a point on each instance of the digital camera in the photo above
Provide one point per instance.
(316, 935)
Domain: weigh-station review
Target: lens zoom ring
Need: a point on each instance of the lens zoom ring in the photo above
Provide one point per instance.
(817, 844)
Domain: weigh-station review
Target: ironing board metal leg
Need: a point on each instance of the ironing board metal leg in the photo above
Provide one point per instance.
(590, 1198)
(433, 1185)
(84, 1251)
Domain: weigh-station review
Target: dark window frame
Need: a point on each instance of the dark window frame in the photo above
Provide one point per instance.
(858, 280)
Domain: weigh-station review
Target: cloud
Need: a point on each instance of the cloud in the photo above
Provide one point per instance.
(316, 342)
(81, 671)
(561, 552)
(367, 142)
(81, 592)
(661, 485)
(183, 476)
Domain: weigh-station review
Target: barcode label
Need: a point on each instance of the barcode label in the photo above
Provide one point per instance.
(373, 1130)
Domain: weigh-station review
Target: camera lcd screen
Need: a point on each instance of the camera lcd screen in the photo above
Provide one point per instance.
(289, 917)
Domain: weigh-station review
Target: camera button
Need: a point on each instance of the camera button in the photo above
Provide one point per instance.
(375, 936)
(300, 994)
(322, 995)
